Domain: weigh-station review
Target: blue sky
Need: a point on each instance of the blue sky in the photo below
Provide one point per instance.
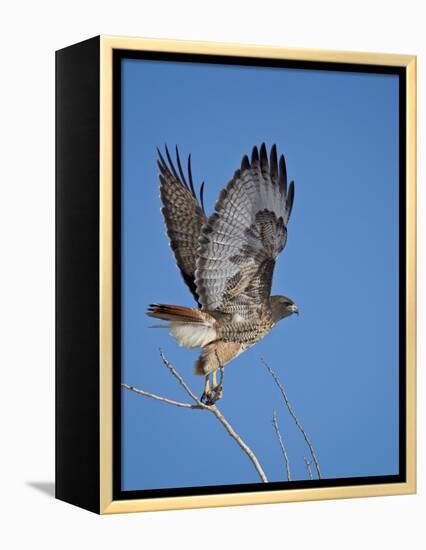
(339, 359)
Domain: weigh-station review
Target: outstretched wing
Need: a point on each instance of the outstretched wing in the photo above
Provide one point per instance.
(243, 237)
(183, 215)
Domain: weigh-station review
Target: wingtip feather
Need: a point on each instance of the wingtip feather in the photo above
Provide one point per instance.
(273, 163)
(255, 157)
(283, 175)
(245, 163)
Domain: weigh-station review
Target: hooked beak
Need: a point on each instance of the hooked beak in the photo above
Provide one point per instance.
(294, 309)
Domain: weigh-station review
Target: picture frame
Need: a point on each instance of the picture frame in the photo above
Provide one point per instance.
(90, 156)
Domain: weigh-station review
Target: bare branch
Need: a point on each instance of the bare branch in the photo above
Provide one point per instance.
(238, 440)
(308, 467)
(159, 398)
(281, 442)
(199, 405)
(293, 415)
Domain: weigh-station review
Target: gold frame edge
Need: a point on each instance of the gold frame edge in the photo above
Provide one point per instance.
(105, 276)
(107, 505)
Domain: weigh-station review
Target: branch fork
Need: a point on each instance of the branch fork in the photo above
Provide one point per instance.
(197, 404)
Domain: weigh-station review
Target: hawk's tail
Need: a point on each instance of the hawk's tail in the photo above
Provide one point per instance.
(191, 327)
(182, 314)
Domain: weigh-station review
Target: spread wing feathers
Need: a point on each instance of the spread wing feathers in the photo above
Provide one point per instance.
(243, 237)
(183, 215)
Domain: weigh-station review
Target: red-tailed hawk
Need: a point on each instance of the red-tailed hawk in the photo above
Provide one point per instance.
(227, 259)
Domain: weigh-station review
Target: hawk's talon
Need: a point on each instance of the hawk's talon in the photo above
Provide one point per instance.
(212, 395)
(205, 398)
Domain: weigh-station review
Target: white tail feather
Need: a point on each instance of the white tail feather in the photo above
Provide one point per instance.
(192, 335)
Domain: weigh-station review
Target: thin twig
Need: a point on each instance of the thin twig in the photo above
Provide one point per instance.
(293, 415)
(179, 378)
(281, 442)
(308, 467)
(199, 405)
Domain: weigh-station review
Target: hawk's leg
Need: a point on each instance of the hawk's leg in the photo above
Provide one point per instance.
(214, 392)
(218, 388)
(205, 398)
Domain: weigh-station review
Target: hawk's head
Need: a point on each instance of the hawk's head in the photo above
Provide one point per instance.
(282, 307)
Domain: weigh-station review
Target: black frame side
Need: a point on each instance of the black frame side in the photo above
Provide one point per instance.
(118, 56)
(77, 274)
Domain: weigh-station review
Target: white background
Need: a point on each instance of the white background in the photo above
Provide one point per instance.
(29, 34)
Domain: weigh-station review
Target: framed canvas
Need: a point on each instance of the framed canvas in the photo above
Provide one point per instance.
(235, 274)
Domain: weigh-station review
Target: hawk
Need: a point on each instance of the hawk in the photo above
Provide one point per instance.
(226, 259)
